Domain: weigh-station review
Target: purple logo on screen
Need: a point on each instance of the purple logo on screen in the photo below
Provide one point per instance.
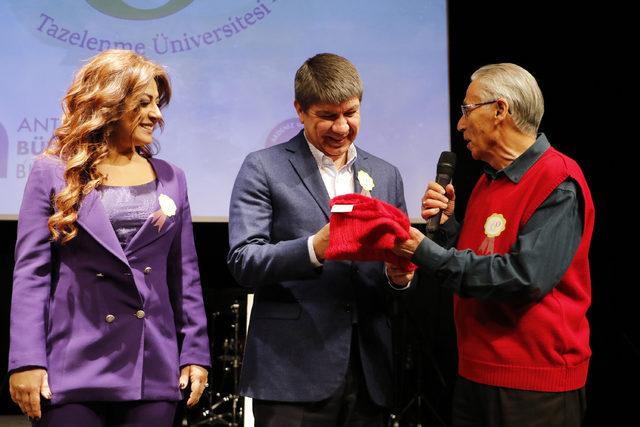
(190, 38)
(284, 131)
(120, 9)
(4, 151)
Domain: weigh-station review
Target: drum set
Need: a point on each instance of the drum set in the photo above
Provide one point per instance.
(221, 405)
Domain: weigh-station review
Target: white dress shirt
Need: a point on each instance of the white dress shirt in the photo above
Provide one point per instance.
(336, 181)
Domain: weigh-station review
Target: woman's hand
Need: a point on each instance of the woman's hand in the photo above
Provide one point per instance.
(26, 387)
(197, 376)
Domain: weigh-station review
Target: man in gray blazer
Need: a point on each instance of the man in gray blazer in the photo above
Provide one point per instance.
(318, 350)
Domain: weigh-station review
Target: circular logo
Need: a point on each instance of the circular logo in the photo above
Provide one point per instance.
(495, 225)
(284, 131)
(120, 9)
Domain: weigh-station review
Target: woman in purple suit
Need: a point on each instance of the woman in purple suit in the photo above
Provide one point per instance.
(107, 318)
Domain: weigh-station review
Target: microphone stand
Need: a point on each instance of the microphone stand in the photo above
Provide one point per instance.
(407, 355)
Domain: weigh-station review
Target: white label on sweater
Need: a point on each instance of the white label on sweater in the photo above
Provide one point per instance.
(342, 208)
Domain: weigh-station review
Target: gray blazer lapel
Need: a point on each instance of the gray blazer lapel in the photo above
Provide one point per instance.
(362, 164)
(305, 166)
(94, 220)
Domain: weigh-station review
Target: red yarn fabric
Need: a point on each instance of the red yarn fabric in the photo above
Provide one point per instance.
(368, 232)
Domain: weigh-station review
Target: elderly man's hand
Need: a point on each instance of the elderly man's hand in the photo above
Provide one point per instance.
(407, 248)
(437, 198)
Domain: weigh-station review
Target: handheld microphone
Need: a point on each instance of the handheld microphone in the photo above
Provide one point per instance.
(444, 172)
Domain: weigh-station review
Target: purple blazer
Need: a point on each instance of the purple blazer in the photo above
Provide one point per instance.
(107, 323)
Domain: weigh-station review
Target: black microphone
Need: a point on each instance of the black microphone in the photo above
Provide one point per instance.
(444, 172)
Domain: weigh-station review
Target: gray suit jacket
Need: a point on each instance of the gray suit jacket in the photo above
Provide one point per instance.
(299, 337)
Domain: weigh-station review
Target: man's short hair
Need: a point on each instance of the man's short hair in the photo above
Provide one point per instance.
(518, 87)
(327, 78)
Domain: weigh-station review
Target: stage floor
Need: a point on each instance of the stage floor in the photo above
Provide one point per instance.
(14, 421)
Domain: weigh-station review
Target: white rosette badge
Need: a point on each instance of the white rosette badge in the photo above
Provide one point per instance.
(167, 209)
(366, 182)
(494, 225)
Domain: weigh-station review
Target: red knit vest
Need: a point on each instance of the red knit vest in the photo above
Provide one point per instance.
(543, 345)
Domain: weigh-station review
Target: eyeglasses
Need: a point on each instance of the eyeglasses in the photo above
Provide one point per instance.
(468, 108)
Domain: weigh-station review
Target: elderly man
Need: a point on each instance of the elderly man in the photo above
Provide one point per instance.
(318, 350)
(519, 267)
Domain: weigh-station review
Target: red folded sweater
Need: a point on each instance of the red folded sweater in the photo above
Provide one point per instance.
(368, 232)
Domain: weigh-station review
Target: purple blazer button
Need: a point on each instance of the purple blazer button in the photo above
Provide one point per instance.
(99, 275)
(140, 314)
(147, 270)
(109, 318)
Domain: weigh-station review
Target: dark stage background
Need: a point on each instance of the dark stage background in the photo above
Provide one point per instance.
(571, 53)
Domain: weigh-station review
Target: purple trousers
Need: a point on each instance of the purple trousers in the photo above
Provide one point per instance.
(109, 414)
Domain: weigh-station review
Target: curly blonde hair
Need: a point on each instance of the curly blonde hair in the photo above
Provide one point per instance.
(103, 91)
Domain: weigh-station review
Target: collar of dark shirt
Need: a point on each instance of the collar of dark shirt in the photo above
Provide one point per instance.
(520, 165)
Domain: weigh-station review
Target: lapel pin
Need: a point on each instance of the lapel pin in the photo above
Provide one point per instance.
(167, 209)
(366, 182)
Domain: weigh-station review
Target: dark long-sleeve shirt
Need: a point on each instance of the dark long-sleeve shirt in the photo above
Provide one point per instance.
(535, 263)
